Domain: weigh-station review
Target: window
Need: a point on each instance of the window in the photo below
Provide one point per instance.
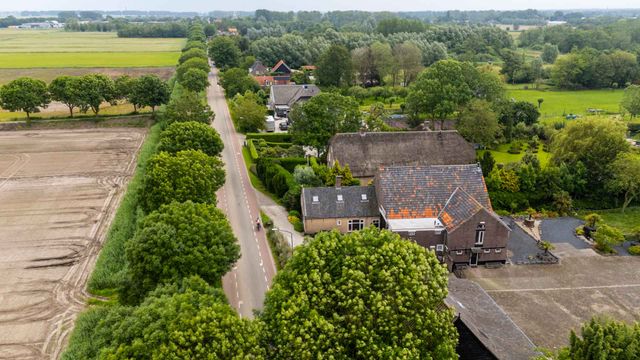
(340, 198)
(459, 252)
(356, 224)
(339, 222)
(439, 247)
(316, 199)
(486, 251)
(412, 233)
(480, 234)
(376, 223)
(363, 197)
(498, 251)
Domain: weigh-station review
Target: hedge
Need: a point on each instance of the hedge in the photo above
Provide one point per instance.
(271, 137)
(252, 150)
(290, 163)
(280, 182)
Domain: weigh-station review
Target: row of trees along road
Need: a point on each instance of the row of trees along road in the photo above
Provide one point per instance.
(84, 93)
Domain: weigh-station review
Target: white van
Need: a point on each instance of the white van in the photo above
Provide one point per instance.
(270, 124)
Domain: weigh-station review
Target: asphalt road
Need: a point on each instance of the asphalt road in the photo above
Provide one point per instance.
(247, 283)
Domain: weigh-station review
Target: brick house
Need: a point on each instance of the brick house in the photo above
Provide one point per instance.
(445, 208)
(280, 74)
(283, 97)
(366, 152)
(346, 209)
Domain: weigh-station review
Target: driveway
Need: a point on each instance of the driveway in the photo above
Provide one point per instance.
(522, 248)
(561, 233)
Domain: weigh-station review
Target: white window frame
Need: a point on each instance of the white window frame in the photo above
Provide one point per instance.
(498, 251)
(363, 198)
(353, 223)
(340, 198)
(376, 223)
(439, 247)
(315, 199)
(487, 251)
(480, 231)
(459, 252)
(339, 222)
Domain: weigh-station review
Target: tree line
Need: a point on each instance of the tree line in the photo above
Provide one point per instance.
(83, 93)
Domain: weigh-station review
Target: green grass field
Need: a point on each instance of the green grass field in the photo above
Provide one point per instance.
(27, 41)
(502, 156)
(626, 221)
(87, 60)
(559, 103)
(24, 49)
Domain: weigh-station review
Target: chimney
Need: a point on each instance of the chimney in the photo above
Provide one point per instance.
(362, 132)
(338, 182)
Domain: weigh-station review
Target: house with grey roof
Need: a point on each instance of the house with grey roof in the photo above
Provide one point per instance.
(283, 97)
(348, 208)
(366, 152)
(445, 208)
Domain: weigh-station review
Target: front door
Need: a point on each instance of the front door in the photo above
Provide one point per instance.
(474, 259)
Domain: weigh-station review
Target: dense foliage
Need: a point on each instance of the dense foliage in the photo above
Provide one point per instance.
(353, 296)
(190, 135)
(24, 94)
(604, 339)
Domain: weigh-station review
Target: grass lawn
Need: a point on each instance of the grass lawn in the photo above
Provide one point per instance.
(626, 221)
(87, 59)
(501, 155)
(56, 41)
(557, 103)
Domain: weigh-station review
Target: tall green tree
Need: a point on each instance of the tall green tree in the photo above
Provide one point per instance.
(24, 94)
(67, 90)
(408, 62)
(315, 121)
(190, 135)
(187, 106)
(150, 90)
(195, 80)
(478, 123)
(165, 250)
(631, 100)
(96, 89)
(594, 142)
(247, 112)
(192, 53)
(193, 63)
(626, 177)
(124, 88)
(604, 339)
(353, 296)
(237, 81)
(383, 60)
(187, 175)
(549, 53)
(224, 52)
(335, 67)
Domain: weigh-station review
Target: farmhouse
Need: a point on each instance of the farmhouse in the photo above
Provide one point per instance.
(346, 209)
(366, 152)
(283, 97)
(445, 208)
(280, 74)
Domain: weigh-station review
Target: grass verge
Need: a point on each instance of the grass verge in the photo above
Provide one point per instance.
(109, 271)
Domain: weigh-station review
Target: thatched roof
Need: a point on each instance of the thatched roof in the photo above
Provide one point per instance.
(366, 152)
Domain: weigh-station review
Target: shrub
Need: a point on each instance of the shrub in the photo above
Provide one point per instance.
(190, 135)
(515, 148)
(606, 237)
(294, 213)
(634, 250)
(290, 163)
(252, 150)
(580, 230)
(291, 199)
(271, 137)
(282, 251)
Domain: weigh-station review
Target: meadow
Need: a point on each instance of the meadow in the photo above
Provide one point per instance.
(23, 49)
(559, 103)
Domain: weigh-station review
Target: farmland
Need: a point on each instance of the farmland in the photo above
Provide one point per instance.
(58, 190)
(60, 49)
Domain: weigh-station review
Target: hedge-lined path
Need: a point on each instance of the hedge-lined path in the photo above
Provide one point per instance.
(279, 216)
(249, 280)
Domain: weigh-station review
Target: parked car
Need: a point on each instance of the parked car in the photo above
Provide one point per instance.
(284, 125)
(270, 124)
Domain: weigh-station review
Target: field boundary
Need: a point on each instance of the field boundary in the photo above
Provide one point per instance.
(141, 120)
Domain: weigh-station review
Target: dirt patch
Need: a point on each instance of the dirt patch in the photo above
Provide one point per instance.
(47, 75)
(58, 193)
(547, 301)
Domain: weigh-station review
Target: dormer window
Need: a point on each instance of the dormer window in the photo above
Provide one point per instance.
(340, 198)
(363, 197)
(480, 229)
(316, 198)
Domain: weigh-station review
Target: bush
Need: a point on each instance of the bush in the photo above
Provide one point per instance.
(252, 150)
(606, 237)
(271, 137)
(634, 250)
(190, 135)
(294, 213)
(282, 251)
(515, 148)
(291, 199)
(297, 223)
(580, 230)
(290, 163)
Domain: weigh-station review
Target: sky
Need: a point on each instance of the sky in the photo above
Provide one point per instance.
(322, 5)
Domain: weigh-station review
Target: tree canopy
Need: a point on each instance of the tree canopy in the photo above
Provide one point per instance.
(150, 90)
(631, 100)
(67, 90)
(478, 123)
(237, 81)
(195, 80)
(626, 177)
(224, 52)
(190, 135)
(177, 241)
(247, 112)
(24, 94)
(187, 106)
(187, 175)
(355, 296)
(335, 67)
(604, 339)
(315, 121)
